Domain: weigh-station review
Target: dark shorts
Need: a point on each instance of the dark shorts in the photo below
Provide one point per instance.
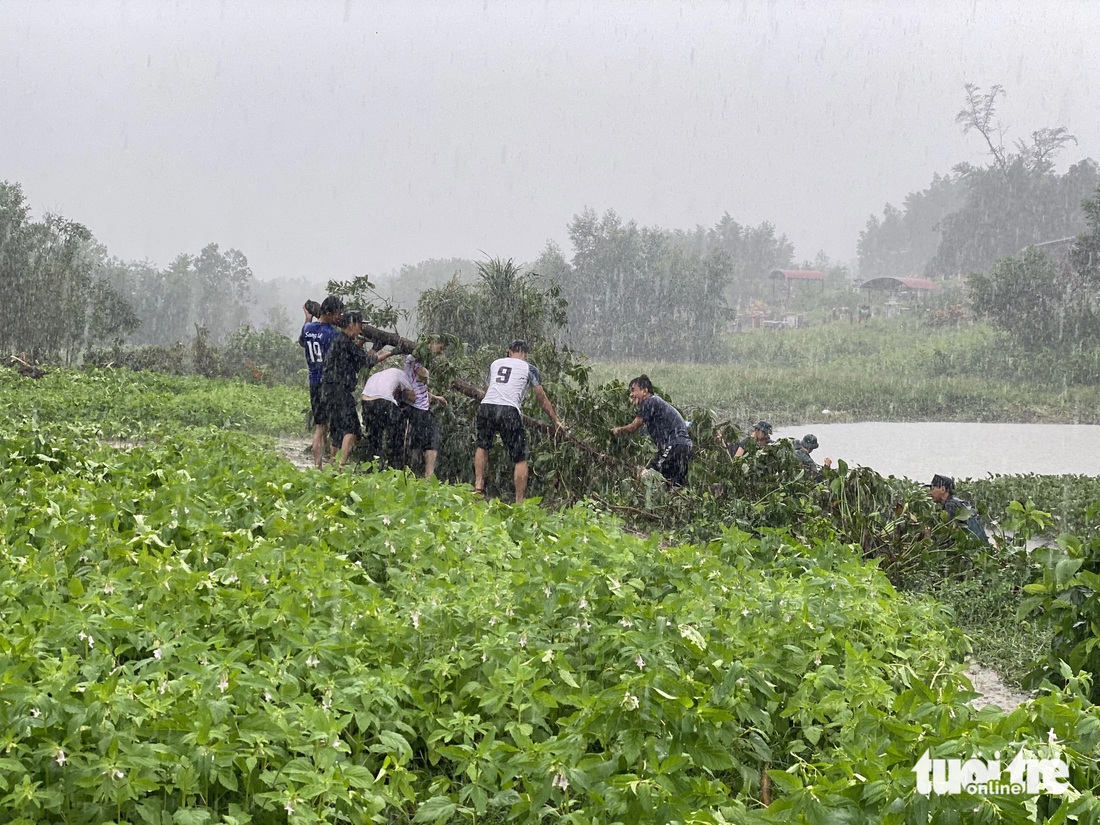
(500, 418)
(424, 430)
(316, 407)
(385, 431)
(672, 462)
(342, 417)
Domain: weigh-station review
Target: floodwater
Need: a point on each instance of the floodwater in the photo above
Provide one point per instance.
(919, 450)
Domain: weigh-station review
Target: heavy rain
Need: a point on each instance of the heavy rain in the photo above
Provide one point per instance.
(502, 411)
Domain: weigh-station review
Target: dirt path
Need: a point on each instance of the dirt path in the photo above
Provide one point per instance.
(993, 690)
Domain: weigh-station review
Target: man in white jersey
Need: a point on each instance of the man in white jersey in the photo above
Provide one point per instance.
(382, 419)
(509, 379)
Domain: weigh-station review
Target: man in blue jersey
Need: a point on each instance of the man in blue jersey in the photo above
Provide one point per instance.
(509, 379)
(316, 338)
(665, 426)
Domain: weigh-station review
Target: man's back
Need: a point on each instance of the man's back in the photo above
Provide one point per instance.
(509, 379)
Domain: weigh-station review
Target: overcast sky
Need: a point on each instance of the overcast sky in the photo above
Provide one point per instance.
(330, 139)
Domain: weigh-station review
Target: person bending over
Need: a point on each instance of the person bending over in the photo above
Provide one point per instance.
(665, 426)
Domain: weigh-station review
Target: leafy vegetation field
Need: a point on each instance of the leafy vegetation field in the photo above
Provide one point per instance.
(195, 631)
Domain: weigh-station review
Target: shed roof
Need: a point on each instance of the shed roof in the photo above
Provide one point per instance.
(797, 274)
(895, 283)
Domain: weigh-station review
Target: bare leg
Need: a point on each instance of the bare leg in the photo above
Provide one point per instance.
(519, 477)
(429, 463)
(346, 447)
(319, 433)
(481, 463)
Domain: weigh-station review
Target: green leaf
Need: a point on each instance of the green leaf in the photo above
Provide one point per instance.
(436, 809)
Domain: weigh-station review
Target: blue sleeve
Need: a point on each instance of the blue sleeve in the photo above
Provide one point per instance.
(533, 377)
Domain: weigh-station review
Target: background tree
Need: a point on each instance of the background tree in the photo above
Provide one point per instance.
(1046, 302)
(1017, 199)
(505, 302)
(903, 241)
(59, 301)
(641, 292)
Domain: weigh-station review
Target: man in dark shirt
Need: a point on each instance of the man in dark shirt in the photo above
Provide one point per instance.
(339, 379)
(942, 491)
(665, 426)
(316, 338)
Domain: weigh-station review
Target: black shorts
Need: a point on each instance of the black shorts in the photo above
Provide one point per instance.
(385, 430)
(672, 462)
(500, 418)
(316, 406)
(424, 430)
(342, 418)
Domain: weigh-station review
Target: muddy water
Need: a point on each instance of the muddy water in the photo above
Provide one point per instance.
(918, 450)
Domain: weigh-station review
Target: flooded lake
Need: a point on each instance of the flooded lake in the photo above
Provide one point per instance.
(918, 450)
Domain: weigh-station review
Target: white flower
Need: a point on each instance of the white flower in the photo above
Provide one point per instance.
(639, 661)
(109, 588)
(223, 685)
(582, 604)
(625, 622)
(163, 687)
(289, 806)
(1051, 738)
(386, 520)
(268, 697)
(547, 591)
(492, 620)
(158, 654)
(312, 661)
(416, 619)
(630, 701)
(560, 781)
(523, 640)
(117, 774)
(35, 712)
(61, 757)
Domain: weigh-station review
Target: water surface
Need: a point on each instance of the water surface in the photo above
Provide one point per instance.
(918, 450)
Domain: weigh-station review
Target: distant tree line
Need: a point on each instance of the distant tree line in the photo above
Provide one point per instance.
(66, 295)
(965, 221)
(57, 300)
(646, 292)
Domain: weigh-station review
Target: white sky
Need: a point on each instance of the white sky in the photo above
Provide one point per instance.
(329, 139)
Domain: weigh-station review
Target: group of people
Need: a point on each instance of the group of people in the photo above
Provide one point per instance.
(396, 406)
(335, 355)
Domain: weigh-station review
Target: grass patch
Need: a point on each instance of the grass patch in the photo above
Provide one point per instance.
(879, 371)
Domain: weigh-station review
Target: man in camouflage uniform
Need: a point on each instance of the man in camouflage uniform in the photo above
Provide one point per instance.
(942, 491)
(802, 449)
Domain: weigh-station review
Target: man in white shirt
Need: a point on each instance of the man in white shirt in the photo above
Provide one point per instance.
(509, 379)
(383, 423)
